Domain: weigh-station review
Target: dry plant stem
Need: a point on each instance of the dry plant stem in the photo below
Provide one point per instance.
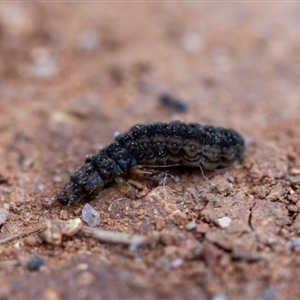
(23, 233)
(118, 237)
(11, 262)
(103, 235)
(110, 206)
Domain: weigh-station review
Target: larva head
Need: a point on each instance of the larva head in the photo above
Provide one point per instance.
(84, 182)
(70, 194)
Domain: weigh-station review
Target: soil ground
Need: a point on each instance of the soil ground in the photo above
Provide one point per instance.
(72, 74)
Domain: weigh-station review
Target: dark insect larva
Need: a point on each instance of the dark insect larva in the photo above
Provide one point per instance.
(154, 144)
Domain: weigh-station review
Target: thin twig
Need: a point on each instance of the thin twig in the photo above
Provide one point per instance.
(118, 237)
(110, 206)
(22, 234)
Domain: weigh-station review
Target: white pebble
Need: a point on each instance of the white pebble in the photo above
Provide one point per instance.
(176, 263)
(191, 225)
(116, 134)
(224, 222)
(90, 215)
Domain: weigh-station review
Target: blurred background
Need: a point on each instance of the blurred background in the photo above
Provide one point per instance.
(106, 63)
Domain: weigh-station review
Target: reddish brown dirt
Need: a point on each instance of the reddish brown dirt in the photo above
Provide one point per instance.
(72, 74)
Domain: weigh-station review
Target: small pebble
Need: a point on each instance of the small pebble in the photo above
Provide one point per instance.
(293, 198)
(202, 228)
(231, 179)
(51, 294)
(90, 215)
(55, 231)
(52, 234)
(293, 208)
(48, 201)
(176, 263)
(40, 187)
(179, 218)
(116, 134)
(160, 224)
(70, 227)
(64, 215)
(276, 193)
(295, 171)
(191, 225)
(35, 264)
(13, 208)
(82, 266)
(136, 204)
(224, 222)
(30, 241)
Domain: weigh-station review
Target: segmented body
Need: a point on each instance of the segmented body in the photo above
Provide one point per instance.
(154, 144)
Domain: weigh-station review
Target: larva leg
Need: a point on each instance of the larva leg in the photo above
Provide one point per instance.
(134, 188)
(124, 187)
(130, 188)
(141, 171)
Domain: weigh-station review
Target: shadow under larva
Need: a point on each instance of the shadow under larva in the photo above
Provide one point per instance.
(154, 144)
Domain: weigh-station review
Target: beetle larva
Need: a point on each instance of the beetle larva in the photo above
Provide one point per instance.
(154, 144)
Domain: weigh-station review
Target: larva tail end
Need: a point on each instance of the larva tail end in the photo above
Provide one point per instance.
(70, 194)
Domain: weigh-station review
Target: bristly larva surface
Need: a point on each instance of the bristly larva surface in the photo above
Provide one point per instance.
(154, 144)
